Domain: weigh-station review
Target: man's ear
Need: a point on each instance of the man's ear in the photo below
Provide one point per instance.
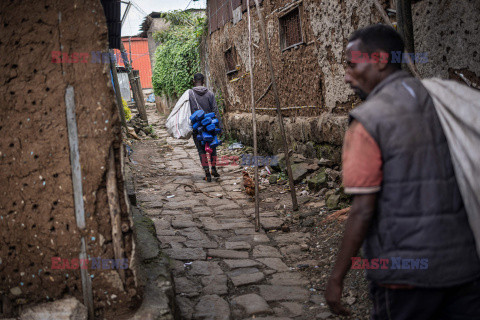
(383, 61)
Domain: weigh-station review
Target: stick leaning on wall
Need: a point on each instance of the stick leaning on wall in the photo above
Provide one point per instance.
(279, 110)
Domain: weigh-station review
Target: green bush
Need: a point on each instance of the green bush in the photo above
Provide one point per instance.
(126, 110)
(177, 57)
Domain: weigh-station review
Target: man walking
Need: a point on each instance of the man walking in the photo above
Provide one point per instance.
(203, 99)
(420, 252)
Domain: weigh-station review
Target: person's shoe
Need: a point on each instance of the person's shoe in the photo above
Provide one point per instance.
(215, 173)
(208, 177)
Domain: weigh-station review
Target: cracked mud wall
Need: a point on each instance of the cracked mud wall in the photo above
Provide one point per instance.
(37, 219)
(309, 75)
(449, 32)
(313, 73)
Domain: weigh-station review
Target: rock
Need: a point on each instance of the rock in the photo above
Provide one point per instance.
(216, 284)
(279, 166)
(298, 158)
(325, 162)
(271, 223)
(262, 251)
(205, 268)
(186, 287)
(324, 315)
(64, 309)
(212, 307)
(16, 291)
(240, 245)
(299, 172)
(245, 263)
(309, 222)
(332, 201)
(228, 254)
(350, 300)
(333, 175)
(185, 306)
(188, 254)
(282, 293)
(247, 278)
(252, 304)
(288, 279)
(329, 193)
(273, 179)
(295, 308)
(274, 263)
(317, 181)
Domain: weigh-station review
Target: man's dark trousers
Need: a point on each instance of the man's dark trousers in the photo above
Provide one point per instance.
(203, 154)
(461, 302)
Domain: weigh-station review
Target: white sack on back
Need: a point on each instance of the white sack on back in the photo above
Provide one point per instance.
(178, 122)
(458, 108)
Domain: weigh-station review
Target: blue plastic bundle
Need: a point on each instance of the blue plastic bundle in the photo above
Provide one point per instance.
(206, 125)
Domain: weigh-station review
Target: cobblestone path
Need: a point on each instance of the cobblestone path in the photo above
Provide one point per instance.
(222, 268)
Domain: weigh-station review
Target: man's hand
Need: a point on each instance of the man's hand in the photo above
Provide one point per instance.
(333, 295)
(358, 222)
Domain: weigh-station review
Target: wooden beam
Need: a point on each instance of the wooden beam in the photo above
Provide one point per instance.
(114, 205)
(118, 95)
(279, 110)
(254, 122)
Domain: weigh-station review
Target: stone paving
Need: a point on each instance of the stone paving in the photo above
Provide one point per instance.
(222, 268)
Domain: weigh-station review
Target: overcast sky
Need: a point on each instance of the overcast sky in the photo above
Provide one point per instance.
(135, 17)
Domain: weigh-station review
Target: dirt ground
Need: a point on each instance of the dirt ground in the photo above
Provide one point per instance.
(324, 241)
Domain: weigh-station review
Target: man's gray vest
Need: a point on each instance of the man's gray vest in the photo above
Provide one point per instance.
(420, 212)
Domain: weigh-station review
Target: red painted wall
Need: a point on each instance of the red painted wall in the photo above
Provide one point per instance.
(137, 49)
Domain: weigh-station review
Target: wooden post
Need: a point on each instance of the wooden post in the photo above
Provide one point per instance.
(78, 194)
(405, 24)
(142, 110)
(279, 110)
(113, 203)
(254, 123)
(118, 95)
(410, 64)
(131, 78)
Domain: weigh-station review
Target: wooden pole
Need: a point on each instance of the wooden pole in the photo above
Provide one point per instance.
(113, 203)
(254, 122)
(405, 24)
(279, 110)
(131, 78)
(410, 64)
(143, 111)
(118, 95)
(78, 194)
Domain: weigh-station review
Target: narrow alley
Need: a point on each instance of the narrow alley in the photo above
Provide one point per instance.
(222, 268)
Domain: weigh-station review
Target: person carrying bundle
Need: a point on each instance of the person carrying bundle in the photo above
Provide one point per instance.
(203, 99)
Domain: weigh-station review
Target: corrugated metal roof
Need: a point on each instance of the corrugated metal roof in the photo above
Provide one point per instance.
(137, 50)
(112, 12)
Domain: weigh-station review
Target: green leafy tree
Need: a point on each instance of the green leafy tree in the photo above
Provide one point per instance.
(177, 57)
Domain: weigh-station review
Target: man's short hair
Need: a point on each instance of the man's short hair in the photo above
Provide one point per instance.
(198, 77)
(379, 37)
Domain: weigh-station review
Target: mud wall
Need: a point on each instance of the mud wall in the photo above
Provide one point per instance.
(449, 32)
(312, 74)
(37, 219)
